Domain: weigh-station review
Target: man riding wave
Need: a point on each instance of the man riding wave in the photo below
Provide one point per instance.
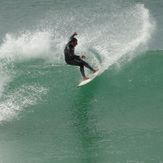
(72, 59)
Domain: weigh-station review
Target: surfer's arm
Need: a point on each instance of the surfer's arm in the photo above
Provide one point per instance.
(73, 56)
(76, 56)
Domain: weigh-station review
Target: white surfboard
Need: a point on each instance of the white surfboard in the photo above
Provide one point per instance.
(93, 76)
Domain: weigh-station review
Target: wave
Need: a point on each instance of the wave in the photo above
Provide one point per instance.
(105, 37)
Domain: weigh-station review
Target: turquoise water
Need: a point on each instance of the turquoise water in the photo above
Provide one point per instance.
(46, 118)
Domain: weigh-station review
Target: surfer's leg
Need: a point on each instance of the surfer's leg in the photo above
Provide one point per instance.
(82, 64)
(76, 62)
(87, 65)
(82, 71)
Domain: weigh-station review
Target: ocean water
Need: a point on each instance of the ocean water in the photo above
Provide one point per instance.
(45, 117)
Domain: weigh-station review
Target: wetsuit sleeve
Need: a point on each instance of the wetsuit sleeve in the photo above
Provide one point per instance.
(76, 56)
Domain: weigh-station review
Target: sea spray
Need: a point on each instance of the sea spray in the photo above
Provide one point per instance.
(132, 29)
(14, 102)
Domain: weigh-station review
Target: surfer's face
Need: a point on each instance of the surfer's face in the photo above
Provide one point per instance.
(74, 43)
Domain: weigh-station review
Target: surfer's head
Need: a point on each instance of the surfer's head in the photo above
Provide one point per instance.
(74, 42)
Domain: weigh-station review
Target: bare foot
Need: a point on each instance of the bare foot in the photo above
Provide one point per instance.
(85, 78)
(95, 70)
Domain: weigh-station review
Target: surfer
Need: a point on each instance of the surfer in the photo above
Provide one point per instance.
(72, 59)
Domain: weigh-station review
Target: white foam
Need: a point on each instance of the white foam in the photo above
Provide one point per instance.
(20, 47)
(4, 80)
(13, 103)
(25, 45)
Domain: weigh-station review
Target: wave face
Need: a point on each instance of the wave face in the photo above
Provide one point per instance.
(44, 117)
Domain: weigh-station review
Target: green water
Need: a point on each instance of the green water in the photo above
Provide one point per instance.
(46, 118)
(116, 118)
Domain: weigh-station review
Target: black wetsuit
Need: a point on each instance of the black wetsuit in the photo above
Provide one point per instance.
(73, 59)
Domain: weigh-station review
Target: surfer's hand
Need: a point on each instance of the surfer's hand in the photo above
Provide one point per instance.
(83, 57)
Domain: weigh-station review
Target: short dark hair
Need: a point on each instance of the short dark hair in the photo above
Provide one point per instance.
(74, 40)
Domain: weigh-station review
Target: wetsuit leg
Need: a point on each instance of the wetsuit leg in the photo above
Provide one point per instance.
(82, 71)
(81, 63)
(87, 65)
